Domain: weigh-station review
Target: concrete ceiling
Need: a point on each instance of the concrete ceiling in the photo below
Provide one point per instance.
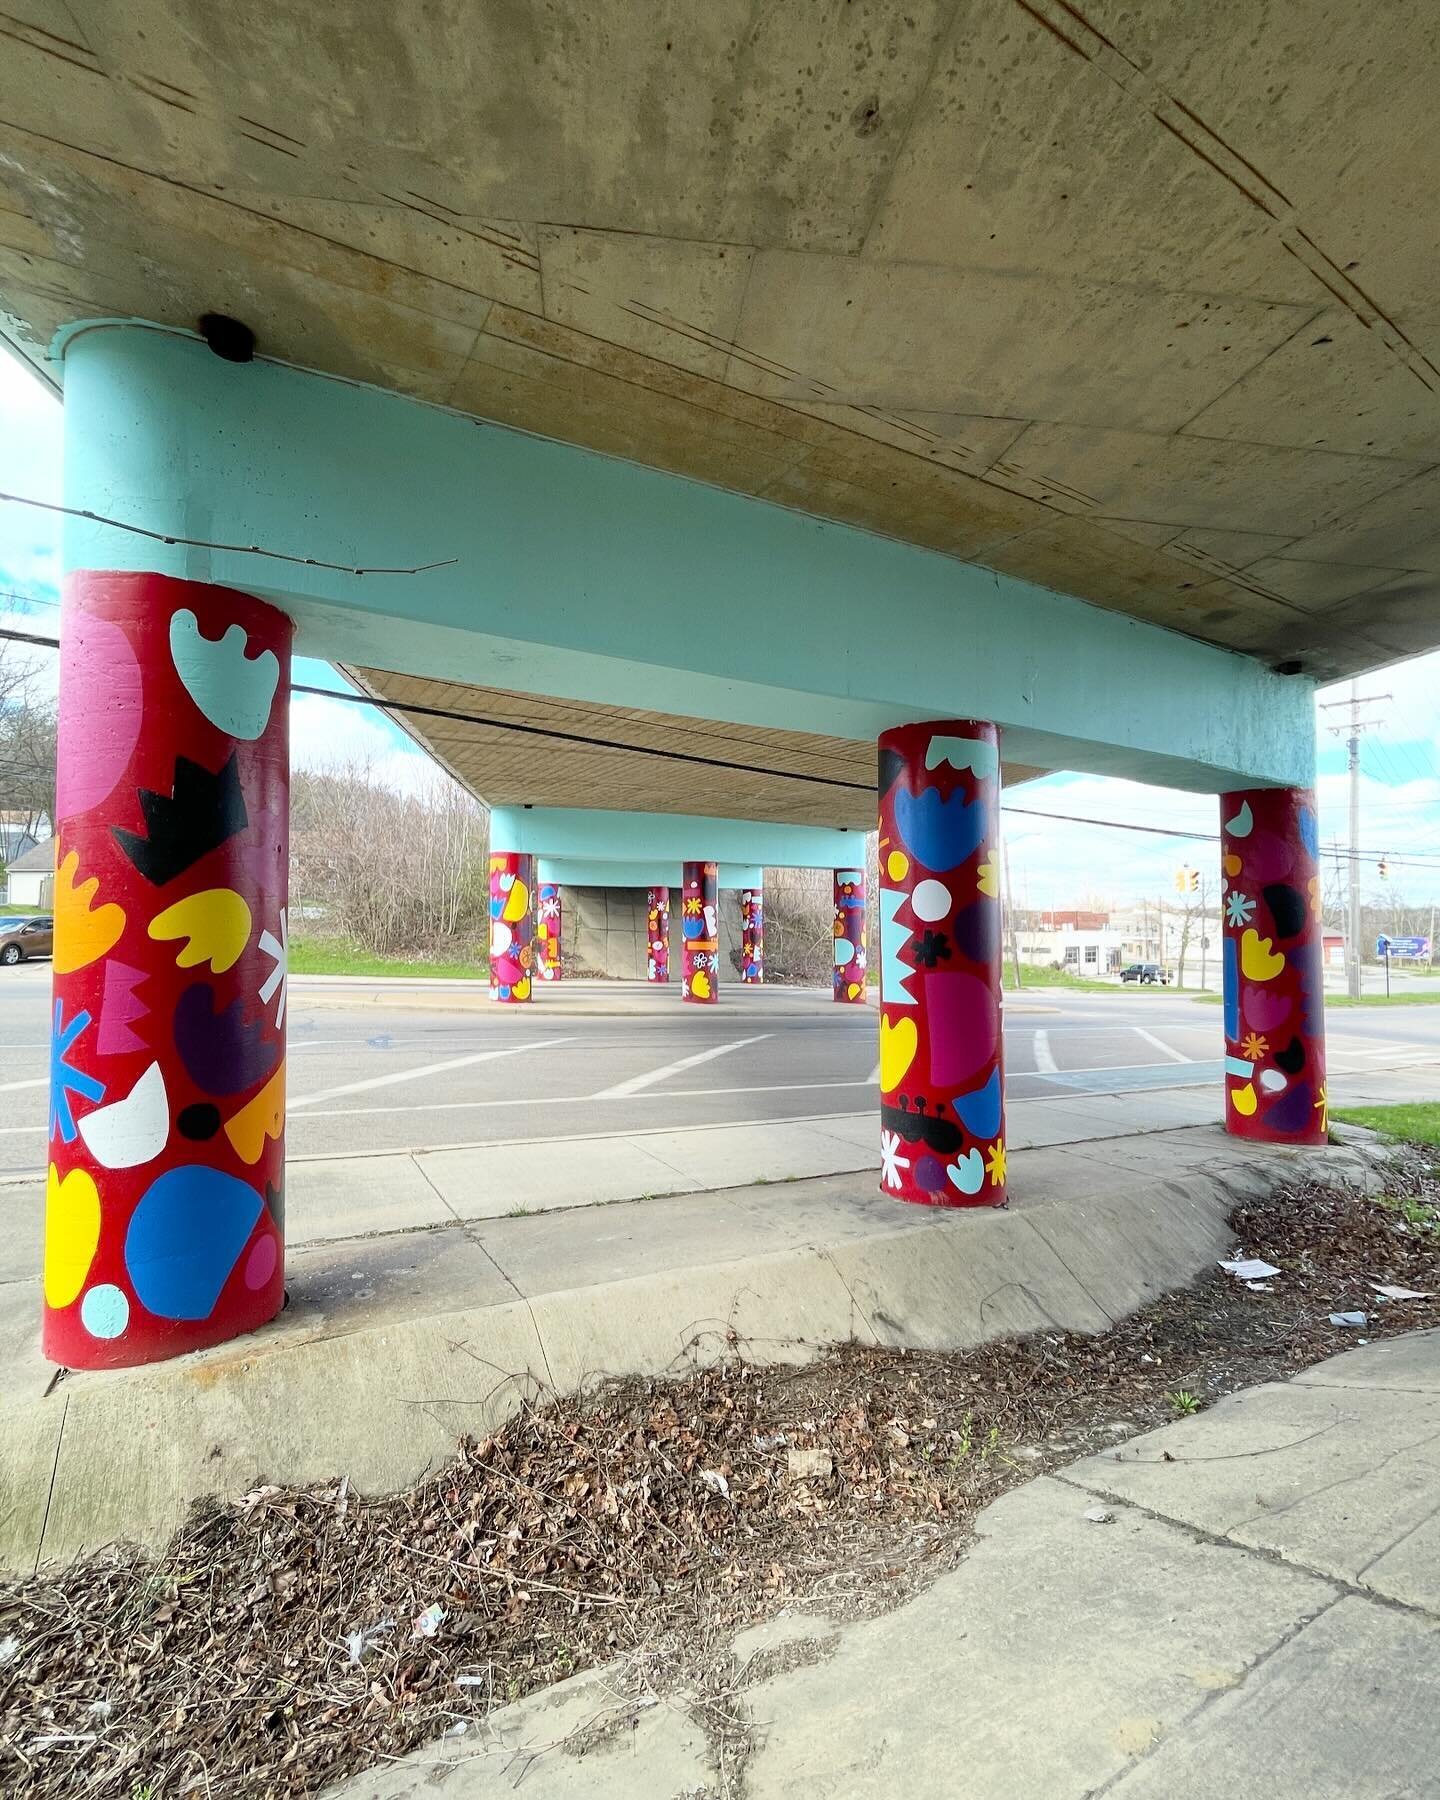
(739, 771)
(1136, 302)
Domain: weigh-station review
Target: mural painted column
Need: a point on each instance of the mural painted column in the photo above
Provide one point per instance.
(1273, 971)
(512, 882)
(752, 936)
(657, 927)
(164, 1197)
(547, 932)
(849, 892)
(942, 1102)
(700, 933)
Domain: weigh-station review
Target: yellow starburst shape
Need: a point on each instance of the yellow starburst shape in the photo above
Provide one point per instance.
(995, 1163)
(987, 878)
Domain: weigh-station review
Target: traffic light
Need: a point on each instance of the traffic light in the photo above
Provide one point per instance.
(1187, 881)
(1384, 868)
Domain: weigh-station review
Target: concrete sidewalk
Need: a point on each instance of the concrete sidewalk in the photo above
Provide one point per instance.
(1255, 1610)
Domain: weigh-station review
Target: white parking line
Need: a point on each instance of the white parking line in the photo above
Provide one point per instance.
(1160, 1045)
(438, 1068)
(873, 1078)
(1044, 1058)
(9, 1087)
(637, 1083)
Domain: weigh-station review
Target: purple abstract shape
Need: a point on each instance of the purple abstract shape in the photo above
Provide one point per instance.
(1264, 1008)
(223, 1053)
(103, 704)
(1266, 857)
(963, 1021)
(119, 1009)
(976, 929)
(1293, 1110)
(929, 1175)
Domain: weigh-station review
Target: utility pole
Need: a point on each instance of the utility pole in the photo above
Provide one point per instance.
(1351, 733)
(1010, 912)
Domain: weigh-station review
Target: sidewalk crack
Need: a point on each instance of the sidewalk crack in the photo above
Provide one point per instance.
(50, 1491)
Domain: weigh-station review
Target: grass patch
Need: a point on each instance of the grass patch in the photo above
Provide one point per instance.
(1417, 1124)
(1334, 1000)
(334, 956)
(1037, 975)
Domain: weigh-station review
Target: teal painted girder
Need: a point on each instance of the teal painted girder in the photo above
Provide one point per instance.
(575, 573)
(668, 839)
(586, 872)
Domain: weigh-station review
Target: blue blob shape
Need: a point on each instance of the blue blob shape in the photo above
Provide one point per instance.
(692, 925)
(979, 1112)
(105, 1312)
(1230, 971)
(939, 833)
(184, 1239)
(1309, 831)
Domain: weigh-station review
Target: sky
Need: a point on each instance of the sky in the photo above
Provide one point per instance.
(1056, 861)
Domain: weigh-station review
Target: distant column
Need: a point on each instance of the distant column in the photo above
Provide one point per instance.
(849, 934)
(942, 1102)
(547, 932)
(1272, 967)
(752, 936)
(657, 927)
(512, 919)
(699, 931)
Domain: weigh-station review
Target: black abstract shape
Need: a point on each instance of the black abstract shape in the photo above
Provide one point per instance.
(919, 1127)
(201, 813)
(932, 947)
(1292, 1058)
(892, 763)
(199, 1122)
(275, 1206)
(977, 930)
(1287, 908)
(223, 1054)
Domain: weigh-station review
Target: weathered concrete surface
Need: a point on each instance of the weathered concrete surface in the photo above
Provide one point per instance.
(1069, 1657)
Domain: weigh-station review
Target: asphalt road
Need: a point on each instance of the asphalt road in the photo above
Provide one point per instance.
(381, 1072)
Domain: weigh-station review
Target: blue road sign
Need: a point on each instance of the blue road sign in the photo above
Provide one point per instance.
(1402, 946)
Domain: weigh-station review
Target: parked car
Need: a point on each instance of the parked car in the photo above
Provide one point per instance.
(21, 939)
(1147, 974)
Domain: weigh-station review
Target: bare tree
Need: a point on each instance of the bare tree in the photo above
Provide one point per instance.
(27, 744)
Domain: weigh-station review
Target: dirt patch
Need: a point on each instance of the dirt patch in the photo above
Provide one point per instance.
(287, 1638)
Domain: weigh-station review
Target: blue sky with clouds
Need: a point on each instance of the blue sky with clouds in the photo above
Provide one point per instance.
(1055, 861)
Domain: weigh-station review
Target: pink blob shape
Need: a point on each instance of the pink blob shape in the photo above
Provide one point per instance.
(260, 1264)
(101, 703)
(1263, 1008)
(962, 1021)
(1264, 858)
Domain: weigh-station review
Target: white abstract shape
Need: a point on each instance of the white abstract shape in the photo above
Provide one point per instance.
(133, 1130)
(501, 937)
(277, 980)
(930, 900)
(1272, 1081)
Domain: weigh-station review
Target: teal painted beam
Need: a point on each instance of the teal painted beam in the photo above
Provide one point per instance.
(584, 872)
(574, 835)
(563, 571)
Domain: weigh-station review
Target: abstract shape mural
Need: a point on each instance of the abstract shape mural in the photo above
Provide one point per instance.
(752, 935)
(547, 931)
(848, 888)
(1271, 966)
(700, 933)
(512, 933)
(193, 683)
(657, 935)
(942, 1108)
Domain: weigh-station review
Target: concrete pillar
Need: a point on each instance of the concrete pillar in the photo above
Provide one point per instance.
(942, 1100)
(849, 889)
(752, 936)
(547, 932)
(1272, 967)
(657, 928)
(700, 933)
(164, 1199)
(512, 926)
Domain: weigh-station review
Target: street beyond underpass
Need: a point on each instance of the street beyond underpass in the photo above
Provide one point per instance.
(392, 1067)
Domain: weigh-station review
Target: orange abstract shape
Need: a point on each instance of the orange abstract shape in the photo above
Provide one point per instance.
(259, 1120)
(82, 934)
(72, 1233)
(1232, 865)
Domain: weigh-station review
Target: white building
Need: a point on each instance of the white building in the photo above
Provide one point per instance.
(30, 879)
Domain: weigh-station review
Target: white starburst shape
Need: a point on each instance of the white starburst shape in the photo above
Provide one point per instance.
(891, 1161)
(277, 980)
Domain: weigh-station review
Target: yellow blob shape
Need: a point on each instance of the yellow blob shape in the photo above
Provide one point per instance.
(516, 902)
(259, 1119)
(1243, 1099)
(82, 935)
(853, 989)
(72, 1232)
(897, 865)
(700, 985)
(216, 921)
(898, 1044)
(988, 881)
(1259, 959)
(521, 989)
(1232, 865)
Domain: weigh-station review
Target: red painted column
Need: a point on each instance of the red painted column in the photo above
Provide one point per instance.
(547, 932)
(942, 1098)
(164, 1198)
(1272, 967)
(849, 890)
(657, 927)
(700, 935)
(512, 926)
(752, 936)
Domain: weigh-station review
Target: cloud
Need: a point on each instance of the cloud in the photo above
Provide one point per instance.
(333, 734)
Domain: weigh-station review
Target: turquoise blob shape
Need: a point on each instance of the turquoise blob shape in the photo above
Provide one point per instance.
(105, 1312)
